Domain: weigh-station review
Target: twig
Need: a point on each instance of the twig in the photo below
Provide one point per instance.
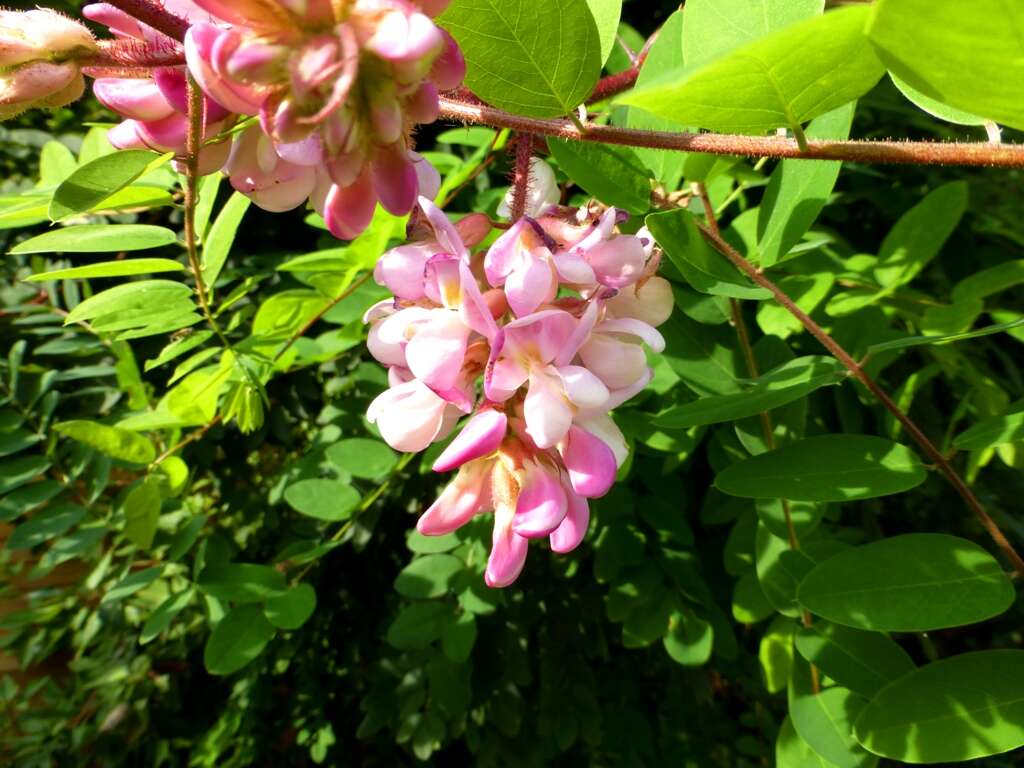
(521, 175)
(191, 437)
(880, 152)
(933, 453)
(316, 318)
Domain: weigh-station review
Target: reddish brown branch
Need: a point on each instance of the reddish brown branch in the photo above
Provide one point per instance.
(613, 85)
(521, 175)
(883, 152)
(926, 445)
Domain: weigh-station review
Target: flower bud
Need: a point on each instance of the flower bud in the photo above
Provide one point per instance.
(39, 84)
(41, 34)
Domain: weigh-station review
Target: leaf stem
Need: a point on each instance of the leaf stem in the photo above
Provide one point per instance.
(844, 357)
(316, 318)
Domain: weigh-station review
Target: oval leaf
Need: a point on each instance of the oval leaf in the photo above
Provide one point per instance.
(111, 269)
(825, 468)
(95, 181)
(98, 238)
(428, 576)
(956, 709)
(241, 582)
(998, 430)
(361, 457)
(323, 499)
(862, 661)
(539, 58)
(292, 609)
(764, 85)
(239, 638)
(612, 174)
(117, 443)
(910, 583)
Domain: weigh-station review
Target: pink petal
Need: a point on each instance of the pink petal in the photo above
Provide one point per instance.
(542, 503)
(423, 106)
(503, 256)
(618, 262)
(437, 352)
(602, 426)
(568, 535)
(401, 36)
(457, 504)
(119, 22)
(449, 69)
(166, 135)
(481, 436)
(573, 268)
(542, 335)
(200, 42)
(445, 233)
(580, 334)
(532, 284)
(349, 210)
(428, 180)
(401, 270)
(410, 416)
(508, 552)
(308, 151)
(630, 327)
(394, 178)
(545, 409)
(504, 375)
(132, 97)
(652, 302)
(582, 387)
(618, 364)
(590, 462)
(125, 135)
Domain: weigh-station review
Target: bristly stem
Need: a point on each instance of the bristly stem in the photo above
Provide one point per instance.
(926, 445)
(521, 175)
(980, 153)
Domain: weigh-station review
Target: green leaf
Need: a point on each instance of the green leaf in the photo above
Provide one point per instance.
(458, 637)
(984, 283)
(776, 653)
(689, 639)
(131, 584)
(917, 341)
(16, 472)
(790, 381)
(705, 358)
(141, 301)
(428, 545)
(16, 441)
(360, 457)
(418, 625)
(606, 15)
(614, 175)
(237, 639)
(798, 190)
(749, 602)
(825, 468)
(142, 513)
(117, 443)
(823, 720)
(241, 582)
(919, 234)
(972, 61)
(955, 709)
(862, 661)
(56, 163)
(934, 107)
(712, 28)
(793, 752)
(95, 181)
(538, 58)
(330, 500)
(703, 267)
(45, 525)
(160, 619)
(806, 291)
(177, 348)
(121, 268)
(97, 238)
(665, 55)
(1008, 428)
(292, 609)
(428, 576)
(782, 80)
(218, 243)
(910, 583)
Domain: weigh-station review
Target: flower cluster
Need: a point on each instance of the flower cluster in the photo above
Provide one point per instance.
(336, 87)
(38, 66)
(535, 340)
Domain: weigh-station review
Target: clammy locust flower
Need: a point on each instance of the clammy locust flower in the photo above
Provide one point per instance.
(536, 341)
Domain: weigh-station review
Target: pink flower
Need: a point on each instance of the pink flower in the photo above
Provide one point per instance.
(336, 88)
(540, 442)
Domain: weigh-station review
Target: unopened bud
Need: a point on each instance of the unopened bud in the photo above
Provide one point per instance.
(39, 84)
(41, 34)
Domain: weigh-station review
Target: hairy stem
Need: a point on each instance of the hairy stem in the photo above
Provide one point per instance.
(926, 445)
(879, 152)
(521, 175)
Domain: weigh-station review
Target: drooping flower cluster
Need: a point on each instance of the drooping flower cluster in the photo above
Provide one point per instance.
(336, 85)
(38, 66)
(536, 341)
